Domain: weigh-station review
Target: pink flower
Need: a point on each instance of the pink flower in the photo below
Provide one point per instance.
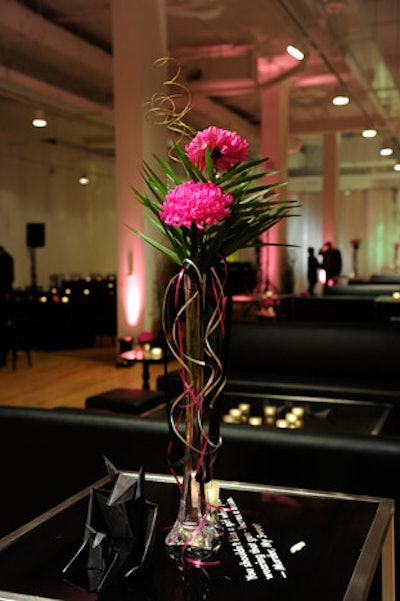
(396, 245)
(145, 337)
(227, 148)
(198, 203)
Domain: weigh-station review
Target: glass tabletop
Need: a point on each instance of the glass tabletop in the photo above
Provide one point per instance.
(278, 544)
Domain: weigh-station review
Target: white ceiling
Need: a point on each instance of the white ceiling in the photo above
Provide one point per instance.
(57, 54)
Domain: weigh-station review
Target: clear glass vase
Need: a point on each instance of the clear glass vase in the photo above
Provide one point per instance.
(197, 331)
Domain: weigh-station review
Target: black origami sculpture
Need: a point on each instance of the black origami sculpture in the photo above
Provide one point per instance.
(119, 533)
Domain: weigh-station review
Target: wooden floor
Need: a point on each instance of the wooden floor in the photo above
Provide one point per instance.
(67, 377)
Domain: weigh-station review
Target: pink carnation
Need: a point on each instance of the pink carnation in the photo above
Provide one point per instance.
(198, 203)
(227, 148)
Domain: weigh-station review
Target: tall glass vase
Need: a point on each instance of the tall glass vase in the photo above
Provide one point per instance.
(195, 337)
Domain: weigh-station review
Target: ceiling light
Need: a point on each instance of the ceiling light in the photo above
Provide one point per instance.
(297, 51)
(39, 119)
(83, 180)
(396, 167)
(340, 100)
(386, 151)
(369, 133)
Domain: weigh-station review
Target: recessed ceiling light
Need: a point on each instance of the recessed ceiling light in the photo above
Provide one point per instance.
(386, 151)
(39, 119)
(296, 52)
(369, 133)
(340, 100)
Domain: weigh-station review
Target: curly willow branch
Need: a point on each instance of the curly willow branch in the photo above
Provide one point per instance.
(163, 110)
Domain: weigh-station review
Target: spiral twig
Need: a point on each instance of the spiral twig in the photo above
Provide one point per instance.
(163, 109)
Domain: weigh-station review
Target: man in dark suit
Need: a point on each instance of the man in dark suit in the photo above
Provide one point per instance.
(331, 263)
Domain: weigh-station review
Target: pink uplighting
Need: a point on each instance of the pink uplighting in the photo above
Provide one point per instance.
(132, 299)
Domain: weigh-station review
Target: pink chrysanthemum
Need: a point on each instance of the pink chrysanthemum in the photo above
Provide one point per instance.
(198, 203)
(227, 148)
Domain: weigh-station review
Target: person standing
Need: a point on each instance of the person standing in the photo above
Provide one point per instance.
(312, 270)
(331, 263)
(6, 283)
(6, 273)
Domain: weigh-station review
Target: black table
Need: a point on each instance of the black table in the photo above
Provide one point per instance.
(320, 414)
(278, 544)
(146, 358)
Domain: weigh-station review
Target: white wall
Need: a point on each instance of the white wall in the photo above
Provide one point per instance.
(39, 183)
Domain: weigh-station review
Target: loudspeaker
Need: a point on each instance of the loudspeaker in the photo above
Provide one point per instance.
(35, 234)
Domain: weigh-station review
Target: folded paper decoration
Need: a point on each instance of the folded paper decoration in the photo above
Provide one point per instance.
(119, 533)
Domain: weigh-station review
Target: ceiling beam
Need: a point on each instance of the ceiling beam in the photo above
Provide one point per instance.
(24, 24)
(29, 90)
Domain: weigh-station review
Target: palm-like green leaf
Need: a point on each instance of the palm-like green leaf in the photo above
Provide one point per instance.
(255, 208)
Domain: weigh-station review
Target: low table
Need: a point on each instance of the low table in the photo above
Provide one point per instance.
(146, 358)
(320, 414)
(317, 414)
(279, 543)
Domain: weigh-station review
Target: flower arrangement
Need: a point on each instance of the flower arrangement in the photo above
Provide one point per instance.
(355, 242)
(220, 206)
(221, 202)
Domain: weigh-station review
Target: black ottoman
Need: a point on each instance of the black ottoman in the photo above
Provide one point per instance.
(126, 400)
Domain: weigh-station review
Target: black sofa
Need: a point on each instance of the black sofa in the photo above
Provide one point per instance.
(50, 454)
(369, 289)
(338, 360)
(358, 301)
(329, 308)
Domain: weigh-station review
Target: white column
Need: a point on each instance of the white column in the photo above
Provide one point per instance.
(274, 144)
(331, 148)
(139, 38)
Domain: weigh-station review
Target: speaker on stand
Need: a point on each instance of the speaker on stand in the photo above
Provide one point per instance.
(35, 238)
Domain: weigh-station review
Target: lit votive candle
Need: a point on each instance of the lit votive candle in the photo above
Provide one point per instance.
(269, 421)
(254, 420)
(281, 423)
(236, 413)
(291, 418)
(298, 412)
(269, 410)
(396, 295)
(212, 491)
(244, 408)
(156, 352)
(229, 419)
